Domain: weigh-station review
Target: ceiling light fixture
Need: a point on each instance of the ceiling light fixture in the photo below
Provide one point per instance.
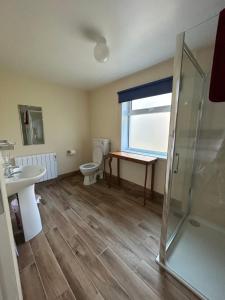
(101, 50)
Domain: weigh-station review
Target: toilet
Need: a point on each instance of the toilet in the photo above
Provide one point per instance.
(94, 169)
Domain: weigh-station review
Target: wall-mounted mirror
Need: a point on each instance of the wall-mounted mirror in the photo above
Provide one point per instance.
(31, 124)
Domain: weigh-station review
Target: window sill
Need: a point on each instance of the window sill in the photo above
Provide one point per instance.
(160, 155)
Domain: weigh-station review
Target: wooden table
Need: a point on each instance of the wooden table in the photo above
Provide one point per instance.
(141, 159)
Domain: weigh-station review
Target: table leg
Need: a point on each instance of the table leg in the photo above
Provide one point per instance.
(104, 176)
(110, 171)
(146, 176)
(118, 171)
(152, 179)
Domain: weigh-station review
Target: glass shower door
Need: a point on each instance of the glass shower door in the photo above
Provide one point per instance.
(191, 79)
(193, 230)
(189, 109)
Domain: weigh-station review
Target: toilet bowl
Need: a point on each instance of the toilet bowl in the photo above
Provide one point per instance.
(94, 169)
(89, 171)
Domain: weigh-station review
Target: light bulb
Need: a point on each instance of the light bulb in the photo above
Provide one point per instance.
(101, 52)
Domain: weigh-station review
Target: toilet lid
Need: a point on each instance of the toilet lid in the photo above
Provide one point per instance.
(97, 155)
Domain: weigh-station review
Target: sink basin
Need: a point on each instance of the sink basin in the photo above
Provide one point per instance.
(22, 183)
(28, 176)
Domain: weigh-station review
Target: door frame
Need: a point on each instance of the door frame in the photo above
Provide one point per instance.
(9, 272)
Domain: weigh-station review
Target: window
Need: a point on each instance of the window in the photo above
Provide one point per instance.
(145, 124)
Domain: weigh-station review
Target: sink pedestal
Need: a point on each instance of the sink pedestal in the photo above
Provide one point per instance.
(22, 182)
(30, 215)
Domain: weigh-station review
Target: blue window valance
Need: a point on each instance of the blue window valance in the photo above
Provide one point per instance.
(162, 86)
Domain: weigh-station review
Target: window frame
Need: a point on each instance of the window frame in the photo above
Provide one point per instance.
(126, 113)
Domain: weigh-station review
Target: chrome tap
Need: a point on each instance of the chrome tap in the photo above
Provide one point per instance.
(9, 170)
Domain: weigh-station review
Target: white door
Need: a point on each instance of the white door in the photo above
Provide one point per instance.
(10, 288)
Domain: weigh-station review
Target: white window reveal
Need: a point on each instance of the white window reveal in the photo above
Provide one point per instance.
(145, 122)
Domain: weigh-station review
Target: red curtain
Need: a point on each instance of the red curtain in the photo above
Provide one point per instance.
(217, 84)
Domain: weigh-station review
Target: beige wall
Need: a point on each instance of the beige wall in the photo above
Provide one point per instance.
(65, 117)
(72, 117)
(106, 119)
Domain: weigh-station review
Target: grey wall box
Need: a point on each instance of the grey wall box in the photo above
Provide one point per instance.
(31, 121)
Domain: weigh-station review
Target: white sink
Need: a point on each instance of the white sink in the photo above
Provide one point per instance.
(22, 183)
(28, 176)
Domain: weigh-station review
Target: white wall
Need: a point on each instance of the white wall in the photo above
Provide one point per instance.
(106, 119)
(72, 117)
(65, 118)
(208, 200)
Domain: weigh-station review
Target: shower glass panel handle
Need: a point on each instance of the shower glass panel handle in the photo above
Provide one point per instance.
(1, 204)
(176, 162)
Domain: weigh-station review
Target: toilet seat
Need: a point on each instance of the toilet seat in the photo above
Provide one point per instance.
(89, 165)
(89, 168)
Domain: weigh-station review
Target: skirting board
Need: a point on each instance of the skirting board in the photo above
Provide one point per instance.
(73, 173)
(60, 177)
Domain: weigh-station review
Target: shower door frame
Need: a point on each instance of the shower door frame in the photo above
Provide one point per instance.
(171, 146)
(180, 49)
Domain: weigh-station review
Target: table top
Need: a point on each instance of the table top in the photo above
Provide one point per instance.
(133, 157)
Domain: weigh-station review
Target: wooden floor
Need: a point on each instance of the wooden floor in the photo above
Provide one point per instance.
(97, 243)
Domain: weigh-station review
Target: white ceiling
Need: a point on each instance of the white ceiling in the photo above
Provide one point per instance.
(52, 39)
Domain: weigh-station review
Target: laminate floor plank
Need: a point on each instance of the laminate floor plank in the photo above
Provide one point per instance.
(31, 284)
(46, 218)
(154, 278)
(60, 221)
(84, 208)
(25, 254)
(101, 276)
(97, 243)
(152, 243)
(129, 280)
(119, 213)
(52, 276)
(81, 285)
(88, 235)
(56, 197)
(110, 215)
(137, 213)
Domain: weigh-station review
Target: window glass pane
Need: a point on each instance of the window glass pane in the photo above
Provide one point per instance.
(149, 131)
(151, 102)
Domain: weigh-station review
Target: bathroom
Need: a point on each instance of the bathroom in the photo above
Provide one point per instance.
(107, 209)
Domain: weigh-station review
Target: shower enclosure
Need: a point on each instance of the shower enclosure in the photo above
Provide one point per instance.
(192, 244)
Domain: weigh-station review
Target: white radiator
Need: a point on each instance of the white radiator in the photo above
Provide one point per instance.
(47, 160)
